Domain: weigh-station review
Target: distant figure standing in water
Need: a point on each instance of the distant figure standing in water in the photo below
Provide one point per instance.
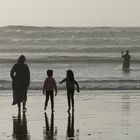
(126, 61)
(70, 85)
(48, 88)
(20, 75)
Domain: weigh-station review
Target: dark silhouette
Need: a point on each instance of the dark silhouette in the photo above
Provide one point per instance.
(126, 61)
(48, 130)
(20, 75)
(70, 85)
(20, 131)
(49, 86)
(70, 126)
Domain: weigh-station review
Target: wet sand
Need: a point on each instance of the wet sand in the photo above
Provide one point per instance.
(99, 115)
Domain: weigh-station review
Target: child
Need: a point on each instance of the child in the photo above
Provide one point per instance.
(48, 88)
(70, 85)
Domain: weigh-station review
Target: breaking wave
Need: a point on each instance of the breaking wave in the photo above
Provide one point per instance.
(86, 85)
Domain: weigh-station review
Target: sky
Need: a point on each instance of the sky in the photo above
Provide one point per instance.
(70, 12)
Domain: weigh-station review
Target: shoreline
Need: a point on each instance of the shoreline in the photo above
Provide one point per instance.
(98, 115)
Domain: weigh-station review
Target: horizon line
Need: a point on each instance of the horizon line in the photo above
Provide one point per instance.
(66, 26)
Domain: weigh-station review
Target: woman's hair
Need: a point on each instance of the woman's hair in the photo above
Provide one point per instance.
(70, 75)
(21, 59)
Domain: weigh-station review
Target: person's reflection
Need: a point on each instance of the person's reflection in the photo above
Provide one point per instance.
(48, 130)
(20, 131)
(70, 126)
(126, 104)
(126, 110)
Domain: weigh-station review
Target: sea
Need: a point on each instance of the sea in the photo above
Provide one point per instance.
(93, 53)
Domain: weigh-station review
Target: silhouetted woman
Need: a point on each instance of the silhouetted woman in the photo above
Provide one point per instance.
(20, 75)
(70, 85)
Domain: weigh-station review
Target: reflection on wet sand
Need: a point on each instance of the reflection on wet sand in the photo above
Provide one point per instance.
(20, 131)
(70, 128)
(48, 130)
(126, 104)
(126, 112)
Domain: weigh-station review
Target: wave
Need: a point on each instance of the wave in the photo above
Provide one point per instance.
(69, 40)
(85, 85)
(21, 35)
(66, 58)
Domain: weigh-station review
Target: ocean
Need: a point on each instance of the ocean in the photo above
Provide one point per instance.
(93, 53)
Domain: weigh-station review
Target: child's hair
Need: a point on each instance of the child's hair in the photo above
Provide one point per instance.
(70, 75)
(50, 73)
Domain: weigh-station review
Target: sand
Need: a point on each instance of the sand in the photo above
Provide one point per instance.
(99, 115)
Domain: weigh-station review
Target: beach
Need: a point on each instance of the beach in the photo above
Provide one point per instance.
(107, 115)
(107, 107)
(51, 46)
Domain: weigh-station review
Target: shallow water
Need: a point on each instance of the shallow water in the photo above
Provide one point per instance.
(89, 75)
(108, 115)
(91, 52)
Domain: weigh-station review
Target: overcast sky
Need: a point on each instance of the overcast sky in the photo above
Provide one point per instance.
(70, 12)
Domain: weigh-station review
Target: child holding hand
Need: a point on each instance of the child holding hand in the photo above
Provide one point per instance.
(70, 86)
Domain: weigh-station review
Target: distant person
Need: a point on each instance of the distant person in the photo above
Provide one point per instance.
(48, 89)
(126, 61)
(20, 75)
(70, 85)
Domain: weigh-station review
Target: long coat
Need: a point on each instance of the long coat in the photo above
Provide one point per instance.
(20, 75)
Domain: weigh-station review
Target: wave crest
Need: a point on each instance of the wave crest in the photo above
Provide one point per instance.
(85, 85)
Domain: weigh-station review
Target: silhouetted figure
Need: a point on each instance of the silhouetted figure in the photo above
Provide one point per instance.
(48, 89)
(126, 61)
(20, 75)
(20, 131)
(70, 85)
(48, 130)
(70, 126)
